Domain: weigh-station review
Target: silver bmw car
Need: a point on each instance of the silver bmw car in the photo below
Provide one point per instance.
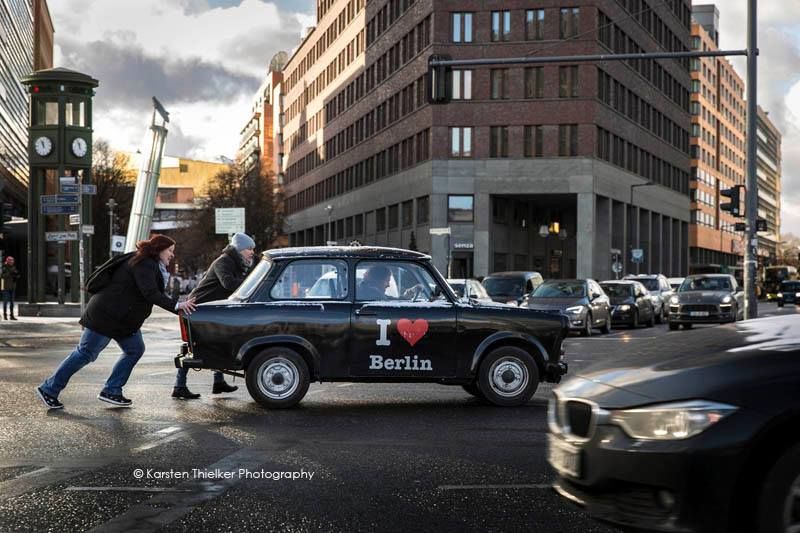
(706, 299)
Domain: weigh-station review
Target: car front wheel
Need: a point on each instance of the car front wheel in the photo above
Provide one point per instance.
(277, 378)
(508, 376)
(606, 329)
(779, 501)
(587, 328)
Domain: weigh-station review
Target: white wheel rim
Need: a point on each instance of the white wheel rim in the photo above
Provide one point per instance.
(508, 376)
(278, 378)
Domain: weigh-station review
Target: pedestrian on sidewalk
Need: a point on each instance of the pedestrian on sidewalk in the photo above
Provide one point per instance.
(117, 312)
(8, 284)
(223, 277)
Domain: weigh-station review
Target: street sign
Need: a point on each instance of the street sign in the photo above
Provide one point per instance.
(229, 220)
(68, 185)
(439, 231)
(59, 209)
(616, 267)
(118, 243)
(61, 236)
(89, 188)
(59, 199)
(88, 229)
(70, 189)
(637, 255)
(74, 220)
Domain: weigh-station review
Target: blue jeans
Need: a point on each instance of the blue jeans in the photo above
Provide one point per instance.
(89, 347)
(180, 377)
(8, 297)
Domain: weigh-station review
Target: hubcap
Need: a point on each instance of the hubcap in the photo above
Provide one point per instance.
(791, 508)
(508, 376)
(278, 378)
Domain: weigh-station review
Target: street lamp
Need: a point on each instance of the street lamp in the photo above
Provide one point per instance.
(329, 209)
(111, 204)
(646, 184)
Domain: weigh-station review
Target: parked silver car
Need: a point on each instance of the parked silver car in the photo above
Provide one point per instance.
(469, 288)
(582, 300)
(706, 299)
(660, 292)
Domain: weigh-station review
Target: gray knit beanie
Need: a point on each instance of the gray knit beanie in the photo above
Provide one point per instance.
(242, 241)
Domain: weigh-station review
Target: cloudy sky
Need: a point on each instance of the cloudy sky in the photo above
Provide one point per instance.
(204, 59)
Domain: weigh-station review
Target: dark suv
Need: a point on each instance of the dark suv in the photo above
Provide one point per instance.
(511, 287)
(372, 315)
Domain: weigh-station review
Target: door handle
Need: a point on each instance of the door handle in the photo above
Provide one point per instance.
(365, 312)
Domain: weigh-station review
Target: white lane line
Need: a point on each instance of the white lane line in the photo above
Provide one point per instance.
(158, 442)
(161, 373)
(34, 473)
(163, 509)
(126, 489)
(315, 392)
(497, 487)
(167, 431)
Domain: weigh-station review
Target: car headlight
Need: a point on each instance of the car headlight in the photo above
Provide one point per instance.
(780, 295)
(727, 299)
(797, 295)
(624, 307)
(576, 309)
(671, 421)
(674, 300)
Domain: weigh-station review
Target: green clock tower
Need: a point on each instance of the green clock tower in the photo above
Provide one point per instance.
(60, 180)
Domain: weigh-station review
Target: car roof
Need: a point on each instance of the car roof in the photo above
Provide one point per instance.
(710, 276)
(619, 282)
(342, 252)
(574, 280)
(642, 276)
(513, 273)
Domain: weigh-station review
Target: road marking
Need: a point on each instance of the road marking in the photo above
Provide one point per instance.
(161, 373)
(497, 487)
(171, 429)
(341, 386)
(315, 392)
(165, 508)
(126, 489)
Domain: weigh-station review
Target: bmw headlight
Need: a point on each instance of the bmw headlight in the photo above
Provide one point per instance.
(576, 309)
(727, 299)
(624, 307)
(674, 300)
(671, 421)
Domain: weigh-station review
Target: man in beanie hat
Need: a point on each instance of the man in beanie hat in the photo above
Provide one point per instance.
(223, 277)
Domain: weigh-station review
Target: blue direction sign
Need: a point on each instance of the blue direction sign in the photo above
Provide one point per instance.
(67, 188)
(89, 188)
(59, 199)
(59, 209)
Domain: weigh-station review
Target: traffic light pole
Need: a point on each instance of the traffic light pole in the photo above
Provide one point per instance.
(751, 246)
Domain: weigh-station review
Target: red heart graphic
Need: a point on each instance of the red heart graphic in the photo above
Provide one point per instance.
(412, 332)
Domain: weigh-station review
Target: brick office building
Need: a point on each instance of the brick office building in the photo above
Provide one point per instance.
(530, 168)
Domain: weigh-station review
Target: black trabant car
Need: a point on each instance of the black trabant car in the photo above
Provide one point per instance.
(370, 315)
(698, 434)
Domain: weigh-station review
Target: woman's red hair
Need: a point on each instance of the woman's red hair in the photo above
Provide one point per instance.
(151, 248)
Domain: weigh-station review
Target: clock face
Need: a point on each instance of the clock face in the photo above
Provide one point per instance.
(79, 147)
(43, 146)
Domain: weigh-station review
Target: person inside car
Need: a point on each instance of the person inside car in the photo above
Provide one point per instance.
(377, 279)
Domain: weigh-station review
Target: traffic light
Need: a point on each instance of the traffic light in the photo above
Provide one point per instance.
(740, 226)
(439, 77)
(735, 205)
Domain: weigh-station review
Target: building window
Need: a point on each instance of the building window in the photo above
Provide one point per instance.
(183, 168)
(568, 140)
(359, 224)
(534, 141)
(462, 85)
(534, 82)
(462, 27)
(498, 146)
(500, 264)
(569, 22)
(461, 142)
(499, 85)
(568, 82)
(423, 209)
(394, 212)
(695, 108)
(408, 213)
(534, 24)
(380, 219)
(459, 208)
(501, 25)
(695, 86)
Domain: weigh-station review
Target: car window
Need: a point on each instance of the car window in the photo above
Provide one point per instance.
(477, 290)
(705, 284)
(560, 289)
(529, 286)
(504, 287)
(395, 280)
(252, 280)
(311, 279)
(617, 289)
(458, 288)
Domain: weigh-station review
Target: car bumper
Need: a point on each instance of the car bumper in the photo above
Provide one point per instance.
(620, 317)
(717, 316)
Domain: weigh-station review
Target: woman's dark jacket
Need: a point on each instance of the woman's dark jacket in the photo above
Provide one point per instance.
(120, 309)
(224, 276)
(10, 275)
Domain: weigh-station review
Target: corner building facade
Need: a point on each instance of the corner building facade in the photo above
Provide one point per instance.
(531, 167)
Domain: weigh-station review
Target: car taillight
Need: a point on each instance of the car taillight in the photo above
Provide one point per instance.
(184, 327)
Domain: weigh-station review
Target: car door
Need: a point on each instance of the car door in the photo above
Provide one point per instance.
(643, 302)
(598, 301)
(408, 334)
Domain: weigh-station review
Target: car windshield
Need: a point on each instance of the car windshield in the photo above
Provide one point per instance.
(618, 290)
(562, 289)
(790, 286)
(250, 283)
(504, 286)
(705, 284)
(650, 283)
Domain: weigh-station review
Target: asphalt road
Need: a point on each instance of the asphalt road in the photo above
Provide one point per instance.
(363, 457)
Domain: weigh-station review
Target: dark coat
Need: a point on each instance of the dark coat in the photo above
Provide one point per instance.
(9, 275)
(224, 276)
(120, 308)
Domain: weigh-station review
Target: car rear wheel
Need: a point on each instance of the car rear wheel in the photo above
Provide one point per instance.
(508, 376)
(779, 501)
(277, 378)
(587, 328)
